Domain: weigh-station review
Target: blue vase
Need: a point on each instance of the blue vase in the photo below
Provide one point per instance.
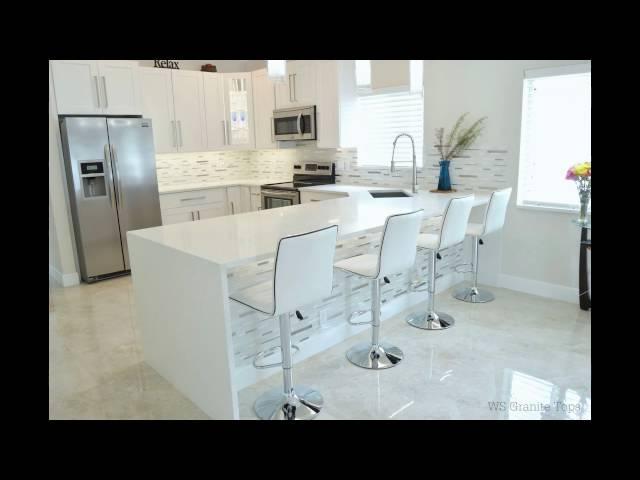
(444, 181)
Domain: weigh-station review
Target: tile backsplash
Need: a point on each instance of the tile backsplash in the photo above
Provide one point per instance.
(482, 168)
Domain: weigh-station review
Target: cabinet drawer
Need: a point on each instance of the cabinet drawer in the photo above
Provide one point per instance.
(196, 197)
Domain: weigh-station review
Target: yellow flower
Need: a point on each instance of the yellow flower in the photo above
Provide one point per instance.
(581, 169)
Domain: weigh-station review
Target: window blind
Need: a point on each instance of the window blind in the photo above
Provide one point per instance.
(555, 134)
(381, 117)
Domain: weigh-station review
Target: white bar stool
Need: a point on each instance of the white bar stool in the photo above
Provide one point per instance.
(494, 217)
(397, 253)
(452, 231)
(303, 274)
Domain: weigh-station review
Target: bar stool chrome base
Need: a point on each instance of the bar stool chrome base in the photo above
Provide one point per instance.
(431, 321)
(473, 295)
(375, 357)
(304, 404)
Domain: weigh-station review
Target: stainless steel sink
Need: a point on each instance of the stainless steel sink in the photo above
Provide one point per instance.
(388, 194)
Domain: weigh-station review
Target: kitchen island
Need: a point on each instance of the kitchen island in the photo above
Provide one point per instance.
(204, 343)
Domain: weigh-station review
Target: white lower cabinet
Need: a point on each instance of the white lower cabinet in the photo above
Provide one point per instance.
(211, 211)
(193, 205)
(177, 215)
(197, 205)
(239, 199)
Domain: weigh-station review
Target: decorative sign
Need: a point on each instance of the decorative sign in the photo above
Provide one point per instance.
(166, 64)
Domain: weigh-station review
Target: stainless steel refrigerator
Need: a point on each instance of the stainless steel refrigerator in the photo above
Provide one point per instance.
(113, 188)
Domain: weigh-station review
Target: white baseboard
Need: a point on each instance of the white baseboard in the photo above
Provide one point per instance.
(541, 289)
(65, 280)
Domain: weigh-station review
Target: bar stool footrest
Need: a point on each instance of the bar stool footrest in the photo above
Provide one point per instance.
(260, 355)
(357, 314)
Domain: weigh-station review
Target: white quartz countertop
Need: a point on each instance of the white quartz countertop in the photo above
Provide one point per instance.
(187, 187)
(236, 239)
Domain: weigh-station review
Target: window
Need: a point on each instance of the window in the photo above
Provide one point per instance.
(381, 117)
(555, 134)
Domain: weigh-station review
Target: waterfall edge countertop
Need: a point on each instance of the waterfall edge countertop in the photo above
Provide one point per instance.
(236, 239)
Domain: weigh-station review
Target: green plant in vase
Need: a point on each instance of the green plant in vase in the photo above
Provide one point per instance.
(459, 139)
(581, 174)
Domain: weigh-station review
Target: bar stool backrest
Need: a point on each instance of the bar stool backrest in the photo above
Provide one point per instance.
(399, 243)
(303, 272)
(496, 210)
(456, 218)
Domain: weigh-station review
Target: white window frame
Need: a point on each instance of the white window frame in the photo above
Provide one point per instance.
(534, 73)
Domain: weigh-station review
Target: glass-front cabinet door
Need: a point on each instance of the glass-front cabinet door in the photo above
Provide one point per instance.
(239, 110)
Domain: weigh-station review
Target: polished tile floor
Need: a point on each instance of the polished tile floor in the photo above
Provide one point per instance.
(519, 357)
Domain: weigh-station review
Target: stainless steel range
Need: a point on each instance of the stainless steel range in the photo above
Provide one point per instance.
(305, 174)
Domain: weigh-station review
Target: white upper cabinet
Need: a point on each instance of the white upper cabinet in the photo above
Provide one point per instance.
(94, 87)
(214, 110)
(157, 104)
(77, 88)
(120, 87)
(336, 104)
(238, 101)
(299, 87)
(264, 102)
(188, 100)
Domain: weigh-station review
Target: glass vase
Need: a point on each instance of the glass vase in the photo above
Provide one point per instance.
(444, 180)
(584, 204)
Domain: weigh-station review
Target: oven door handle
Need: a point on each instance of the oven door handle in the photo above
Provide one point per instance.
(279, 193)
(299, 124)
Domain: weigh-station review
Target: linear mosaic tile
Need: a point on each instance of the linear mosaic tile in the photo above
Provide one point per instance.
(481, 168)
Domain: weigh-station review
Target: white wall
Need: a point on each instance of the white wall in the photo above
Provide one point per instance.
(536, 246)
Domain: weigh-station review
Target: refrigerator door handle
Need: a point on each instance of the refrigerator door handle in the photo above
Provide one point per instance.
(114, 159)
(107, 155)
(180, 133)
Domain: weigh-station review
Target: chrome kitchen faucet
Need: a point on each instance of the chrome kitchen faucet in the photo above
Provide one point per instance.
(415, 168)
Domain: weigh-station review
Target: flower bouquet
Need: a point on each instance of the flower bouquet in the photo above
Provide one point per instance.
(581, 174)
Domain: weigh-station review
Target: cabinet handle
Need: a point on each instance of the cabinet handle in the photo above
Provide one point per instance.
(233, 210)
(290, 83)
(95, 77)
(224, 132)
(314, 200)
(272, 134)
(193, 198)
(192, 217)
(180, 132)
(104, 84)
(295, 94)
(174, 133)
(198, 214)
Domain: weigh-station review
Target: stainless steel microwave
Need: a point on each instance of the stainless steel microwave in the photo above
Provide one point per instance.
(297, 123)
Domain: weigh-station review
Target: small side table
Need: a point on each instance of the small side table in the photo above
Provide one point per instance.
(583, 280)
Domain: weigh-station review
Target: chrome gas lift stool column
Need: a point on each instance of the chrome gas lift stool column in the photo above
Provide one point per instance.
(303, 274)
(494, 217)
(454, 224)
(397, 253)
